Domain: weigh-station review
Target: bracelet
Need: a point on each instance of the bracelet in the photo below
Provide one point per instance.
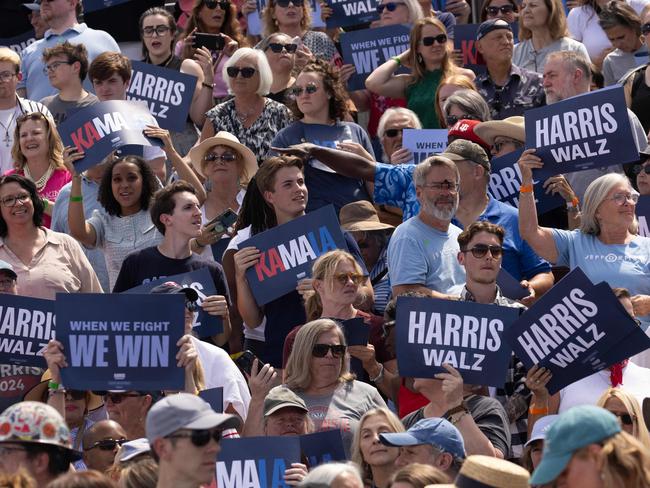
(573, 203)
(455, 419)
(380, 375)
(397, 60)
(538, 411)
(53, 385)
(526, 189)
(208, 85)
(77, 199)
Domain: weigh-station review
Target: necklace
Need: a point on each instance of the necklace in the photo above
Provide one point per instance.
(7, 140)
(243, 116)
(42, 181)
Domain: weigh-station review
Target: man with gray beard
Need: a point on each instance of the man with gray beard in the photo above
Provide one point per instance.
(422, 251)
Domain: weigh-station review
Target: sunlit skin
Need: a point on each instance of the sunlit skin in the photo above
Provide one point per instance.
(624, 38)
(610, 214)
(212, 19)
(126, 183)
(616, 406)
(557, 81)
(22, 212)
(158, 45)
(186, 216)
(510, 17)
(398, 16)
(481, 270)
(435, 53)
(372, 450)
(643, 179)
(534, 14)
(312, 105)
(112, 88)
(582, 471)
(32, 138)
(286, 421)
(327, 368)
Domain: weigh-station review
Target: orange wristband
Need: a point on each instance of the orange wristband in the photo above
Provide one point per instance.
(538, 411)
(574, 202)
(526, 189)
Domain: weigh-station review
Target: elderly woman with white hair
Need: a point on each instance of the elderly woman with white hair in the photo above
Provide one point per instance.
(390, 131)
(606, 246)
(465, 104)
(249, 115)
(334, 475)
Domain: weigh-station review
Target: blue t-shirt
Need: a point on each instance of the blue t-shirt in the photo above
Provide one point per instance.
(420, 254)
(394, 186)
(519, 259)
(324, 185)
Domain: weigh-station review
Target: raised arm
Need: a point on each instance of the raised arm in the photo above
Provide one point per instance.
(79, 228)
(383, 81)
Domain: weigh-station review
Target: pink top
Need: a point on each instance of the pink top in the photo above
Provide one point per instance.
(60, 177)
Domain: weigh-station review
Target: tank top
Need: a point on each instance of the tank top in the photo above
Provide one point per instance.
(421, 98)
(641, 98)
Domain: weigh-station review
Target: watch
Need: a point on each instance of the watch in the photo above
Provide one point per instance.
(456, 411)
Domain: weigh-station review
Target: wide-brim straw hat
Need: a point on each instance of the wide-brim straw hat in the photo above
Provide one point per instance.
(490, 472)
(39, 391)
(361, 216)
(223, 138)
(512, 127)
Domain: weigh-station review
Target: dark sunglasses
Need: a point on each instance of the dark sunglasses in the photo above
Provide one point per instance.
(226, 157)
(390, 6)
(453, 119)
(429, 40)
(504, 9)
(107, 444)
(626, 418)
(639, 168)
(117, 398)
(480, 250)
(75, 395)
(233, 71)
(645, 29)
(320, 350)
(200, 437)
(285, 3)
(309, 89)
(395, 132)
(212, 4)
(277, 48)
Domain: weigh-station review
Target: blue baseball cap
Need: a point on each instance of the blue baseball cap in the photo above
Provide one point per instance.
(435, 431)
(574, 429)
(490, 25)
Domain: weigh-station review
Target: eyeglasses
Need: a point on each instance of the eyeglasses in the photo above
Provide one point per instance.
(199, 437)
(212, 4)
(429, 40)
(504, 9)
(386, 327)
(343, 278)
(285, 3)
(159, 30)
(390, 6)
(6, 76)
(226, 157)
(621, 199)
(107, 444)
(395, 132)
(498, 145)
(247, 72)
(626, 418)
(310, 89)
(191, 306)
(52, 66)
(7, 282)
(75, 395)
(320, 350)
(12, 201)
(480, 251)
(645, 29)
(443, 185)
(277, 48)
(117, 398)
(639, 168)
(452, 119)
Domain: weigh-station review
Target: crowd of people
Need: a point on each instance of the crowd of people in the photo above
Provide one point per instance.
(272, 134)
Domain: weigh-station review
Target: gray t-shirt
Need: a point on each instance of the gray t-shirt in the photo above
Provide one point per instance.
(618, 63)
(342, 409)
(525, 56)
(62, 109)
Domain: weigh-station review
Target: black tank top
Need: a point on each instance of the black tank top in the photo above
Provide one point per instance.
(641, 99)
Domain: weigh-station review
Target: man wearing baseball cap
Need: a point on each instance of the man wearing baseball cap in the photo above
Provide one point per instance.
(8, 279)
(184, 434)
(433, 441)
(507, 89)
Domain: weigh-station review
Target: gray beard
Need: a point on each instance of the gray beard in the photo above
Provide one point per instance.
(440, 214)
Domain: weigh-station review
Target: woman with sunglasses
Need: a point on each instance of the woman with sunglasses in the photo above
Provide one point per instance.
(448, 87)
(507, 10)
(430, 61)
(250, 116)
(642, 172)
(211, 17)
(38, 155)
(318, 372)
(628, 410)
(280, 51)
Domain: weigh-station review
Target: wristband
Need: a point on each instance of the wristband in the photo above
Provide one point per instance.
(538, 411)
(380, 375)
(208, 85)
(53, 385)
(77, 199)
(526, 189)
(573, 203)
(397, 60)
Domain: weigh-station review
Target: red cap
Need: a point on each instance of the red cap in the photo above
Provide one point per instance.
(464, 129)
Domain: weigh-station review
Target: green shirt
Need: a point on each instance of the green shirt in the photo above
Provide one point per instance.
(421, 98)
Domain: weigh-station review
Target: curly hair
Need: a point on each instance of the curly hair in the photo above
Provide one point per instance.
(269, 25)
(338, 106)
(149, 185)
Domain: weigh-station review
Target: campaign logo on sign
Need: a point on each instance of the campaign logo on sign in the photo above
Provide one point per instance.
(200, 280)
(582, 132)
(322, 447)
(466, 335)
(120, 341)
(15, 381)
(104, 127)
(256, 462)
(26, 326)
(288, 251)
(424, 142)
(168, 93)
(369, 48)
(18, 43)
(351, 12)
(574, 330)
(643, 214)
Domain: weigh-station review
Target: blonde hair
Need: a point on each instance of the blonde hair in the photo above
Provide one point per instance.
(298, 373)
(356, 455)
(556, 22)
(596, 194)
(323, 270)
(640, 429)
(270, 25)
(9, 56)
(54, 148)
(418, 71)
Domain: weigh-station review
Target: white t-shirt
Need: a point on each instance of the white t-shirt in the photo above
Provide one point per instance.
(583, 26)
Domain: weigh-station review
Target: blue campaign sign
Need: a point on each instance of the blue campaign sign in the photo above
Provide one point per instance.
(510, 287)
(120, 341)
(424, 142)
(367, 49)
(322, 447)
(92, 5)
(26, 326)
(205, 325)
(104, 127)
(289, 250)
(643, 215)
(356, 331)
(469, 336)
(351, 12)
(465, 42)
(168, 93)
(214, 396)
(570, 330)
(505, 181)
(18, 43)
(256, 461)
(583, 132)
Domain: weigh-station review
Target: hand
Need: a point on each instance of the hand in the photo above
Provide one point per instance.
(203, 57)
(229, 45)
(209, 236)
(366, 354)
(187, 354)
(70, 155)
(457, 56)
(261, 379)
(303, 150)
(536, 380)
(530, 299)
(460, 8)
(325, 11)
(163, 135)
(404, 59)
(527, 162)
(249, 7)
(188, 41)
(244, 259)
(558, 184)
(303, 56)
(401, 156)
(295, 474)
(452, 386)
(216, 305)
(641, 304)
(55, 359)
(345, 72)
(355, 148)
(305, 288)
